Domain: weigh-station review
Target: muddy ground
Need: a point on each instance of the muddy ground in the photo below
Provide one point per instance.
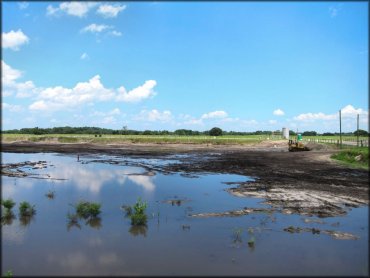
(307, 183)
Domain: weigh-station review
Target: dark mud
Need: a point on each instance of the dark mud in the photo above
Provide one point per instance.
(307, 183)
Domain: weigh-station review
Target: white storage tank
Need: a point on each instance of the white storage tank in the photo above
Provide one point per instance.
(285, 133)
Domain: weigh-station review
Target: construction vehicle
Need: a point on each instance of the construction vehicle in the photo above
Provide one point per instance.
(297, 145)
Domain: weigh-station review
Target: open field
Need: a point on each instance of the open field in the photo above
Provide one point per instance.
(116, 139)
(171, 139)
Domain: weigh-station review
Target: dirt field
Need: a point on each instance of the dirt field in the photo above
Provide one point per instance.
(308, 183)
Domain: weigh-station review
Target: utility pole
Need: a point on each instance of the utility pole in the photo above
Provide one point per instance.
(340, 128)
(358, 133)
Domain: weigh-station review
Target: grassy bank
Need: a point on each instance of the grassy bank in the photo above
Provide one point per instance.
(117, 139)
(355, 157)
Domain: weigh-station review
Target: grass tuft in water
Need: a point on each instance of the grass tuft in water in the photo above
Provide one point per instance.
(50, 194)
(137, 213)
(8, 204)
(86, 209)
(25, 209)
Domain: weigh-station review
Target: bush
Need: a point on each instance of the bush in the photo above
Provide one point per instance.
(138, 216)
(86, 209)
(8, 204)
(216, 131)
(25, 209)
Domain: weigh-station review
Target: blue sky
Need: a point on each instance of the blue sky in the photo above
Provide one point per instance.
(241, 66)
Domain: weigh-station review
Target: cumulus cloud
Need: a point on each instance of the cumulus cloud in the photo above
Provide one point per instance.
(214, 115)
(56, 98)
(95, 28)
(315, 116)
(278, 112)
(78, 9)
(110, 11)
(155, 116)
(138, 94)
(347, 112)
(350, 111)
(12, 86)
(14, 39)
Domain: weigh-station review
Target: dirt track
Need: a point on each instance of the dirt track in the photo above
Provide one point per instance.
(308, 183)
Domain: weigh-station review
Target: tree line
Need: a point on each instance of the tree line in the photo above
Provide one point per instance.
(186, 132)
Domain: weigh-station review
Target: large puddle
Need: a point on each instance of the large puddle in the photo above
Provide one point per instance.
(173, 243)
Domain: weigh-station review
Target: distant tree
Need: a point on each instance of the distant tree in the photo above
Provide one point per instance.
(147, 132)
(309, 133)
(216, 131)
(361, 132)
(328, 134)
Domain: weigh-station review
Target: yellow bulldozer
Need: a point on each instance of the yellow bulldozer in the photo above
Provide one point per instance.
(297, 145)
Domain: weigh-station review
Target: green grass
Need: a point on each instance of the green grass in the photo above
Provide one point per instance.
(8, 204)
(117, 139)
(137, 213)
(348, 157)
(25, 209)
(86, 209)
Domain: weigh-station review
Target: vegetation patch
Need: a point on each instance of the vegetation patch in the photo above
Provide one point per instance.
(137, 213)
(25, 209)
(87, 210)
(356, 157)
(8, 204)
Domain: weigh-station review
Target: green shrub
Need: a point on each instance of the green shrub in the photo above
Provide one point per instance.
(139, 217)
(8, 203)
(25, 209)
(86, 209)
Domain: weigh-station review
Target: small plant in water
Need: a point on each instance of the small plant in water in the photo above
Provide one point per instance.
(8, 204)
(86, 209)
(50, 194)
(137, 213)
(9, 273)
(25, 209)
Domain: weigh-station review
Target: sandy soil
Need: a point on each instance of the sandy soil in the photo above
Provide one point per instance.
(308, 183)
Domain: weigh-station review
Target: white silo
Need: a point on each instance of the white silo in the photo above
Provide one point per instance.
(285, 133)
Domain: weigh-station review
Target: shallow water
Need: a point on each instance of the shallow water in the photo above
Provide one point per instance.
(173, 243)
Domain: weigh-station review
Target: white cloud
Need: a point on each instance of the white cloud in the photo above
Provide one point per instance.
(115, 111)
(315, 116)
(56, 98)
(272, 122)
(9, 75)
(347, 112)
(79, 9)
(14, 39)
(214, 115)
(107, 10)
(11, 107)
(138, 94)
(115, 33)
(278, 112)
(23, 5)
(11, 86)
(95, 28)
(84, 56)
(350, 111)
(155, 116)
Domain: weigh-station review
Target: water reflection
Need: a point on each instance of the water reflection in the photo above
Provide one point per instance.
(138, 230)
(94, 222)
(25, 220)
(7, 218)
